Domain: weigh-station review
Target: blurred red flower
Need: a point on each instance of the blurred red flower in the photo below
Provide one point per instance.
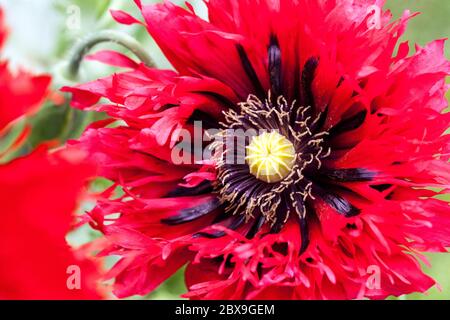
(367, 127)
(39, 192)
(20, 93)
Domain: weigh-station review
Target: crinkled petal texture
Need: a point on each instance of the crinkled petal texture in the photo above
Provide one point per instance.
(384, 113)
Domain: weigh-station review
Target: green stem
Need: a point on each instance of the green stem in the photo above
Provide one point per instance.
(81, 49)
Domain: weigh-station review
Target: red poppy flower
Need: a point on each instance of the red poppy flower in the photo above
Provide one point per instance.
(38, 193)
(333, 195)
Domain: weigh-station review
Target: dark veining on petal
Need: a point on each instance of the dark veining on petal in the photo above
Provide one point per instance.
(202, 188)
(281, 217)
(218, 97)
(207, 120)
(308, 74)
(340, 204)
(318, 127)
(256, 226)
(349, 124)
(191, 214)
(275, 66)
(349, 175)
(235, 223)
(381, 187)
(250, 71)
(304, 232)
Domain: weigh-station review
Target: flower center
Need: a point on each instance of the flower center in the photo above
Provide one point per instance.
(270, 157)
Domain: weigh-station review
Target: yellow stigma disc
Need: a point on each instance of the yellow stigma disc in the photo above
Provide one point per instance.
(270, 157)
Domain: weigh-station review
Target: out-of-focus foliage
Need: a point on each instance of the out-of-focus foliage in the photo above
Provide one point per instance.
(44, 31)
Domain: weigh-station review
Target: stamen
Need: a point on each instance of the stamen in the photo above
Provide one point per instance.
(282, 164)
(276, 160)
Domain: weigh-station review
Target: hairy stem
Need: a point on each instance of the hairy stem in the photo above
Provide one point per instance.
(82, 48)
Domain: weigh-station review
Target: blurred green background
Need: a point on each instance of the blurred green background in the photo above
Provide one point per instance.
(44, 31)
